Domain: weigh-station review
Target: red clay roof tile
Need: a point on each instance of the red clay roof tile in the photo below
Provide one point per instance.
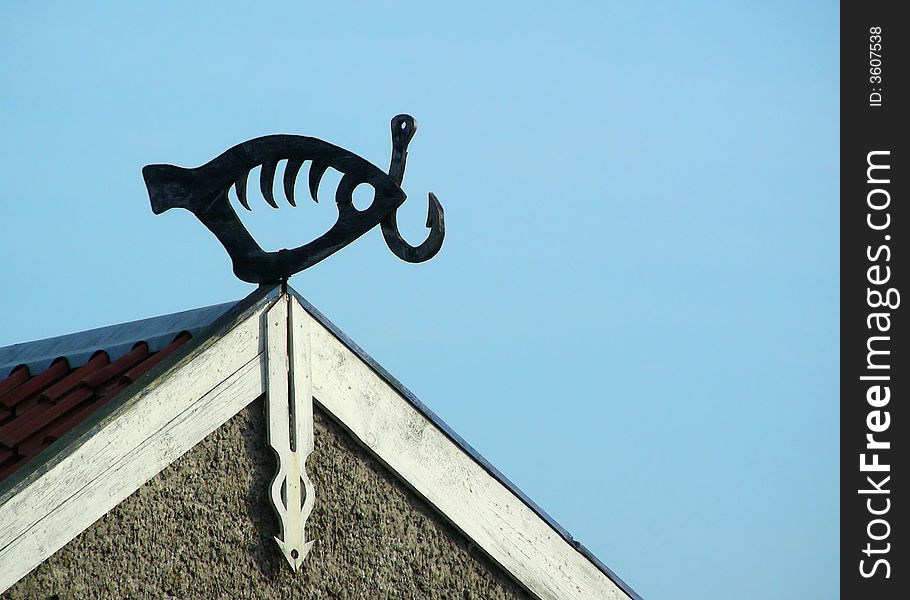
(26, 405)
(140, 369)
(55, 372)
(18, 430)
(37, 410)
(56, 391)
(131, 358)
(9, 467)
(62, 426)
(18, 376)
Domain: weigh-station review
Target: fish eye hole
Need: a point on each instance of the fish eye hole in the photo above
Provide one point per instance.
(362, 197)
(404, 125)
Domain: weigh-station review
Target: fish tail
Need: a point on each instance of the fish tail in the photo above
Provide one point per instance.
(168, 186)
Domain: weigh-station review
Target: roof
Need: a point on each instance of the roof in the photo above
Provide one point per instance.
(50, 386)
(37, 410)
(115, 340)
(75, 375)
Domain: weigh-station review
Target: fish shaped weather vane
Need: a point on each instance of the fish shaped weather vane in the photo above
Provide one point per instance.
(204, 192)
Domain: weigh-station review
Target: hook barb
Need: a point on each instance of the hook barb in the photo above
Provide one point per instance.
(429, 247)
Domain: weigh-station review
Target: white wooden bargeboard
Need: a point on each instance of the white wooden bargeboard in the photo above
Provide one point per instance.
(208, 387)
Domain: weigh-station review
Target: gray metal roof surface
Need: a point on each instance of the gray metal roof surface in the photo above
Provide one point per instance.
(116, 340)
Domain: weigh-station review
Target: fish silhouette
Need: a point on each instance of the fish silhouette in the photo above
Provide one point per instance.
(204, 192)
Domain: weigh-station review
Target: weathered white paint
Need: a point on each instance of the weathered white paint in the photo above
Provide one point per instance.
(458, 487)
(209, 386)
(290, 417)
(133, 444)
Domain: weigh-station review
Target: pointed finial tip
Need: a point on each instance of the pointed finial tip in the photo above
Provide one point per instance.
(294, 555)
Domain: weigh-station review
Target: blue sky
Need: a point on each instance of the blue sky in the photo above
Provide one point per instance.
(635, 312)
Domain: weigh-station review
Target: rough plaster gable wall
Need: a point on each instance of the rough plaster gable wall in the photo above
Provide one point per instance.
(203, 529)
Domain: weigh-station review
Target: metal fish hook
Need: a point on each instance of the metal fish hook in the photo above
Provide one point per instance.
(403, 129)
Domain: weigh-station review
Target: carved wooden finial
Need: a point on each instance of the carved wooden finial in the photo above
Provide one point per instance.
(290, 420)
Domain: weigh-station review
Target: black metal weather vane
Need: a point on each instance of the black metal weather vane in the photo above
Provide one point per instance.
(204, 192)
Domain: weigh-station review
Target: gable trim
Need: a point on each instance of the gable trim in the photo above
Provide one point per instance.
(444, 428)
(449, 477)
(209, 380)
(160, 417)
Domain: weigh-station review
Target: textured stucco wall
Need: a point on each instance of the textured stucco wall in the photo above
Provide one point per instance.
(203, 528)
